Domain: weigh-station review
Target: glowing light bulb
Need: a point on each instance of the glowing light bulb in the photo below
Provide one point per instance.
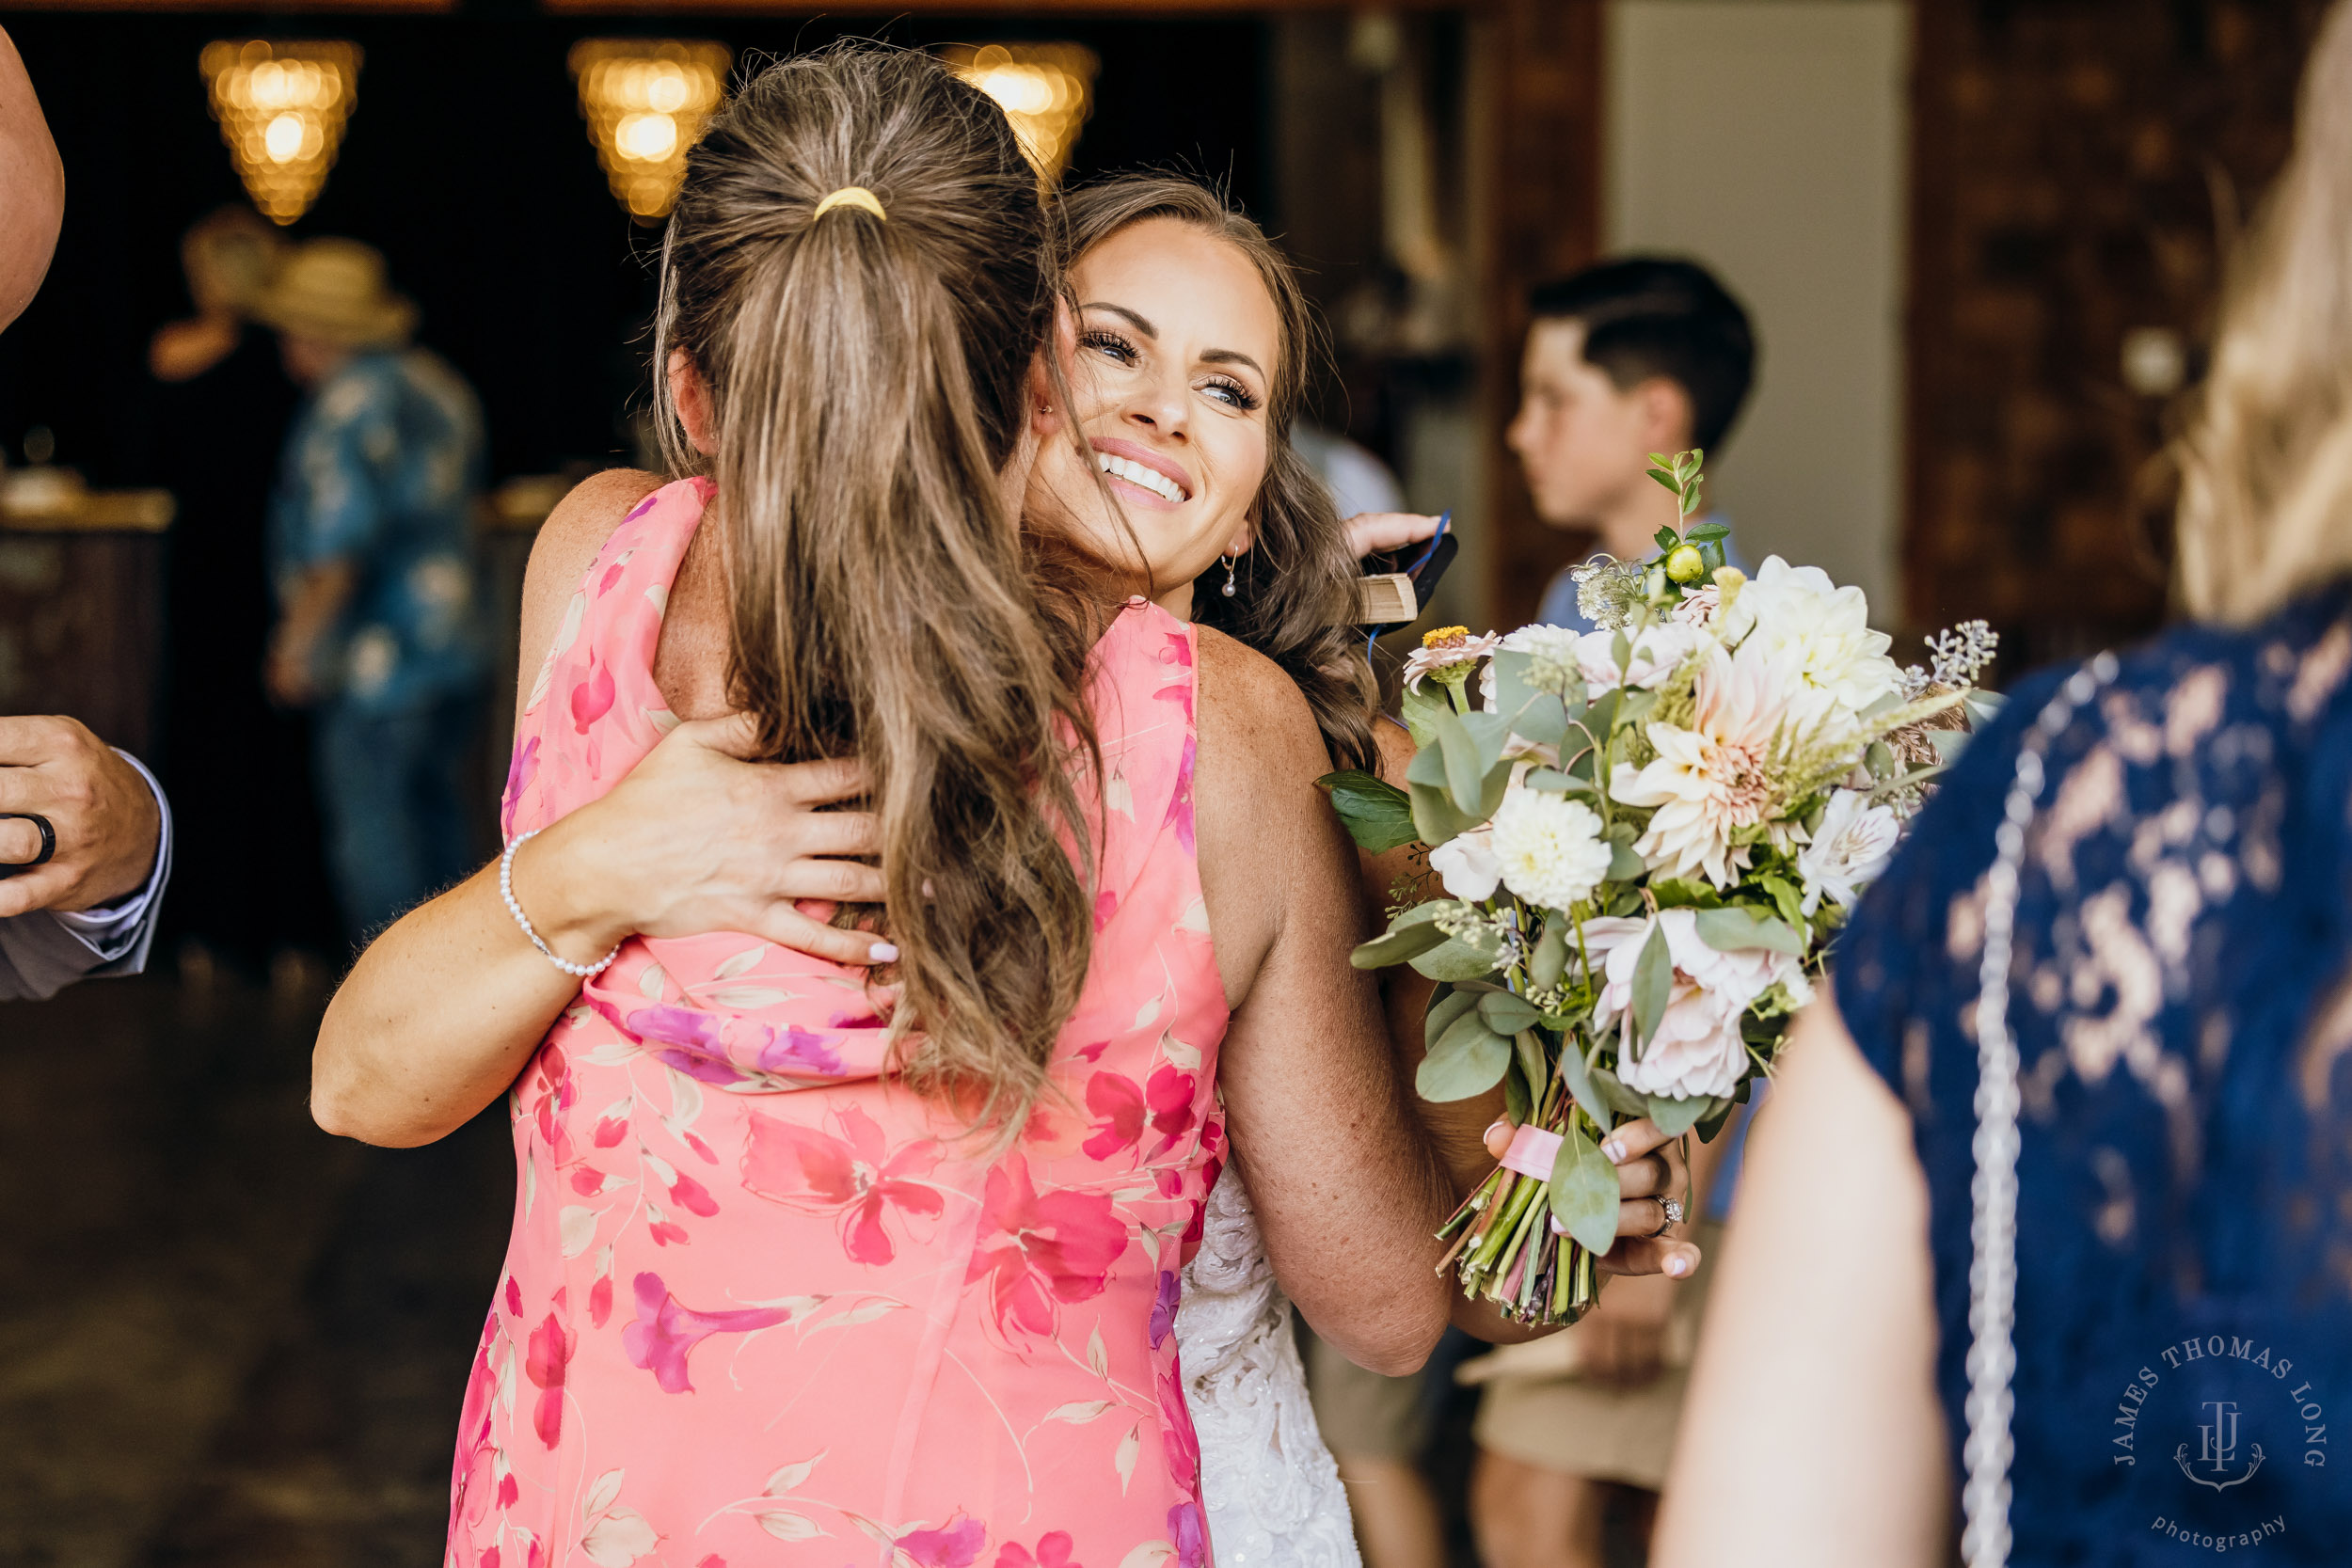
(646, 101)
(1045, 90)
(281, 108)
(283, 140)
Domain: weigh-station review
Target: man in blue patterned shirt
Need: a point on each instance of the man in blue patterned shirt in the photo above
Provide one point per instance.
(372, 549)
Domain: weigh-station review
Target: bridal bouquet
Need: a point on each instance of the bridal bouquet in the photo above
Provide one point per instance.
(1646, 838)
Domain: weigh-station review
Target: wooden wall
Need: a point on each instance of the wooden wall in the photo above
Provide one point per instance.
(2074, 164)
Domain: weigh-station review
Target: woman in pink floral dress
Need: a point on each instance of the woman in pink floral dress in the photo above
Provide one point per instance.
(771, 1296)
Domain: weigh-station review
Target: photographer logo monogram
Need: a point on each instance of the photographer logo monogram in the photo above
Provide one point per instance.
(2238, 1411)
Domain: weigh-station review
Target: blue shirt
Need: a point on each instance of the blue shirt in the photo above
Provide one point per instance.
(381, 471)
(1559, 606)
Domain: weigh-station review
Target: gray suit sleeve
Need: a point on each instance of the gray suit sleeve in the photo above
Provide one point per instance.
(43, 952)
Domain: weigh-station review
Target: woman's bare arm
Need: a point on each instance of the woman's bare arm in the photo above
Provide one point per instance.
(1812, 1435)
(444, 1008)
(1347, 1190)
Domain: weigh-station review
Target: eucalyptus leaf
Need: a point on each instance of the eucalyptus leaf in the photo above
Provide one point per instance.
(1614, 1095)
(1506, 1014)
(1445, 1010)
(1460, 960)
(1624, 865)
(1626, 903)
(1407, 942)
(1549, 959)
(1379, 815)
(1740, 928)
(1419, 706)
(1470, 1059)
(1948, 744)
(1519, 1104)
(1579, 1081)
(1544, 719)
(1550, 781)
(1435, 817)
(1785, 899)
(1532, 1068)
(1490, 732)
(1464, 769)
(1653, 984)
(1711, 1125)
(1676, 1116)
(1584, 1192)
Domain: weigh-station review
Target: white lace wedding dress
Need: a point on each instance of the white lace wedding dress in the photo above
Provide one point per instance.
(1272, 1491)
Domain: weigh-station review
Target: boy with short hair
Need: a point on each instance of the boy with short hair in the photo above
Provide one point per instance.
(1632, 356)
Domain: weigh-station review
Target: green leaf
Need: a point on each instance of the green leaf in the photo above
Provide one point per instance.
(1530, 1052)
(1435, 817)
(1667, 539)
(1624, 865)
(1470, 1059)
(1707, 532)
(1621, 646)
(1464, 769)
(1579, 1081)
(1653, 984)
(1518, 1102)
(1549, 959)
(1738, 927)
(1711, 1124)
(1676, 1116)
(1418, 708)
(1614, 1095)
(1544, 718)
(1458, 959)
(1445, 1009)
(1506, 1014)
(1396, 947)
(1379, 815)
(1676, 893)
(1490, 732)
(1584, 1192)
(1785, 899)
(1625, 903)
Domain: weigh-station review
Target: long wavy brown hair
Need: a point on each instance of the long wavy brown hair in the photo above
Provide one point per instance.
(1296, 599)
(868, 380)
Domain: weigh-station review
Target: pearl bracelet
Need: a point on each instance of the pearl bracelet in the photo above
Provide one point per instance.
(506, 890)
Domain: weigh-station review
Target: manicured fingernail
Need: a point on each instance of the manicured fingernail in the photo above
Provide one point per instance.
(1614, 1149)
(884, 953)
(1677, 1266)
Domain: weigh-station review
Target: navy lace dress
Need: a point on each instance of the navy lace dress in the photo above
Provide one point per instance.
(2185, 1216)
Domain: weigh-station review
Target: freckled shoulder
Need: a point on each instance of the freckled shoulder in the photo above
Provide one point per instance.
(567, 546)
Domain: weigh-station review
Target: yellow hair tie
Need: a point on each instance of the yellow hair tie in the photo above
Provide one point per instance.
(851, 195)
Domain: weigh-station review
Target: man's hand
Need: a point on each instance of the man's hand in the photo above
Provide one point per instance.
(1377, 533)
(102, 812)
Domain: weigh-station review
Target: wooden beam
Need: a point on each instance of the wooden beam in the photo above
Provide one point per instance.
(1536, 87)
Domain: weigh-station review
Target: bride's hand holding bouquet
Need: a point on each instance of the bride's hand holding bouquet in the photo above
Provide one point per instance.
(1645, 838)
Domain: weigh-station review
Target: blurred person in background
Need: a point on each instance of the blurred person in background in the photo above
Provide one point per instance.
(2111, 962)
(372, 550)
(85, 836)
(217, 414)
(1631, 356)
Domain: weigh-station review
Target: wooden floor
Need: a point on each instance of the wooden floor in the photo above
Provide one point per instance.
(225, 1337)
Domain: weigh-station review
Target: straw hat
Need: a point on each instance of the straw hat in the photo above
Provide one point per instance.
(334, 291)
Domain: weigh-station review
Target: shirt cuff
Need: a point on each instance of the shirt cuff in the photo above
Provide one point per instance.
(112, 929)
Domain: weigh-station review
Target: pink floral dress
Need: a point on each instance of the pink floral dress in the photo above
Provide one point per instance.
(763, 1304)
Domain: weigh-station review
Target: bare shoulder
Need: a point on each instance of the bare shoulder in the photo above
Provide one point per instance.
(1397, 749)
(567, 545)
(1249, 709)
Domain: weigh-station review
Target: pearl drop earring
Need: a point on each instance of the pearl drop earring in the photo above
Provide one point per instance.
(1228, 574)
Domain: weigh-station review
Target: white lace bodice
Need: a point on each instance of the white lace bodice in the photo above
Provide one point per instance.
(1273, 1493)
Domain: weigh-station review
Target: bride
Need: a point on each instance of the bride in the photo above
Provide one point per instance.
(1190, 357)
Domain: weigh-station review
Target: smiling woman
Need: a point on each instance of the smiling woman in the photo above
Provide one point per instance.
(1194, 342)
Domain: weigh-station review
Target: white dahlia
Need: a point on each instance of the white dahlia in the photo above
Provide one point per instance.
(1657, 652)
(1714, 778)
(1823, 631)
(1548, 847)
